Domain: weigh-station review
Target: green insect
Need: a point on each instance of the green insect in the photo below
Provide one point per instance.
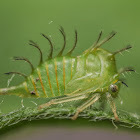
(87, 76)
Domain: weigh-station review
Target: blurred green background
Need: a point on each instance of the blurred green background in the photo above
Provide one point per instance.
(21, 21)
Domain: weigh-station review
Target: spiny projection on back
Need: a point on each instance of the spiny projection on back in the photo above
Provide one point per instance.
(87, 76)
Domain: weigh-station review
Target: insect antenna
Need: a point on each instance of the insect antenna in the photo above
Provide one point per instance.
(26, 60)
(70, 52)
(124, 83)
(21, 74)
(32, 43)
(64, 36)
(123, 49)
(105, 40)
(51, 52)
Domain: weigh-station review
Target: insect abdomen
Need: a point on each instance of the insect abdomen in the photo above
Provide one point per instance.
(51, 78)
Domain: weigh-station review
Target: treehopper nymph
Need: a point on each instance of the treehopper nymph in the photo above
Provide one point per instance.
(88, 76)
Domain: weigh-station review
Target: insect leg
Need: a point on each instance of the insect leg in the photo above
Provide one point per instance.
(89, 102)
(63, 100)
(112, 104)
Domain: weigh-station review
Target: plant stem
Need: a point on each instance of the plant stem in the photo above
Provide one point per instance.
(28, 114)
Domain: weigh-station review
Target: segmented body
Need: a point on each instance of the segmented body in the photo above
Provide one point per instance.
(51, 78)
(86, 76)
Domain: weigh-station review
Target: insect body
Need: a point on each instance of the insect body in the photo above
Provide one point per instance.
(87, 76)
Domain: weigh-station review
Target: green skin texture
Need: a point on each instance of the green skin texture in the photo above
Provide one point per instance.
(92, 72)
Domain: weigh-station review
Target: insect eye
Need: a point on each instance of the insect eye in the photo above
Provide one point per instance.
(114, 88)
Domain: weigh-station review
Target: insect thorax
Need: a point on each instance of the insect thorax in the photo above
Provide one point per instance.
(95, 71)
